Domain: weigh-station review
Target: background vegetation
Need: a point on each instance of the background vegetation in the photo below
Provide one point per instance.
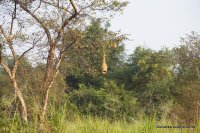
(139, 92)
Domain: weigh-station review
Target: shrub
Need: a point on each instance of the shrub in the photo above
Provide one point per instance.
(112, 101)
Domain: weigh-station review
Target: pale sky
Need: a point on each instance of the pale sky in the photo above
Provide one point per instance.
(158, 23)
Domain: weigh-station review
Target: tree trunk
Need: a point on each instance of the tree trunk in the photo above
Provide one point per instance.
(21, 99)
(17, 90)
(198, 73)
(48, 80)
(46, 96)
(44, 105)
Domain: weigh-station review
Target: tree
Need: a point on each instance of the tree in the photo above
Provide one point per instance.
(50, 21)
(85, 69)
(151, 78)
(187, 77)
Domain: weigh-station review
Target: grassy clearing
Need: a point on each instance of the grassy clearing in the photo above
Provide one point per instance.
(59, 124)
(91, 125)
(61, 121)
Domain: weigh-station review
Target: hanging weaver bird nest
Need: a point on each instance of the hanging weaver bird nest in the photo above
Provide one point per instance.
(104, 66)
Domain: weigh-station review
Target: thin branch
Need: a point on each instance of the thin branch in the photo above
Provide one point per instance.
(26, 52)
(66, 22)
(198, 73)
(1, 48)
(38, 20)
(13, 17)
(53, 78)
(37, 7)
(59, 7)
(61, 54)
(34, 43)
(9, 41)
(68, 46)
(74, 6)
(63, 26)
(90, 5)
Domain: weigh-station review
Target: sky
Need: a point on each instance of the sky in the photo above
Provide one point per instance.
(157, 23)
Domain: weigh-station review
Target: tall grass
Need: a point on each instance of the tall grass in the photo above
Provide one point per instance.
(62, 119)
(58, 121)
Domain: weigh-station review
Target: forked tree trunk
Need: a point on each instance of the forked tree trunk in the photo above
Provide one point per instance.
(47, 87)
(48, 81)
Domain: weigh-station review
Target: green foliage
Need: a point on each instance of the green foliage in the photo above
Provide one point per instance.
(77, 78)
(90, 47)
(151, 78)
(5, 85)
(186, 78)
(187, 59)
(111, 101)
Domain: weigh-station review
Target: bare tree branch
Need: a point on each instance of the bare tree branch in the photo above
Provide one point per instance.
(9, 41)
(68, 46)
(1, 54)
(74, 6)
(34, 43)
(62, 27)
(38, 20)
(66, 22)
(26, 52)
(57, 6)
(13, 17)
(37, 7)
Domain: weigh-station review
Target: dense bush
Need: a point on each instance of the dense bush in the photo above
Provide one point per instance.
(111, 101)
